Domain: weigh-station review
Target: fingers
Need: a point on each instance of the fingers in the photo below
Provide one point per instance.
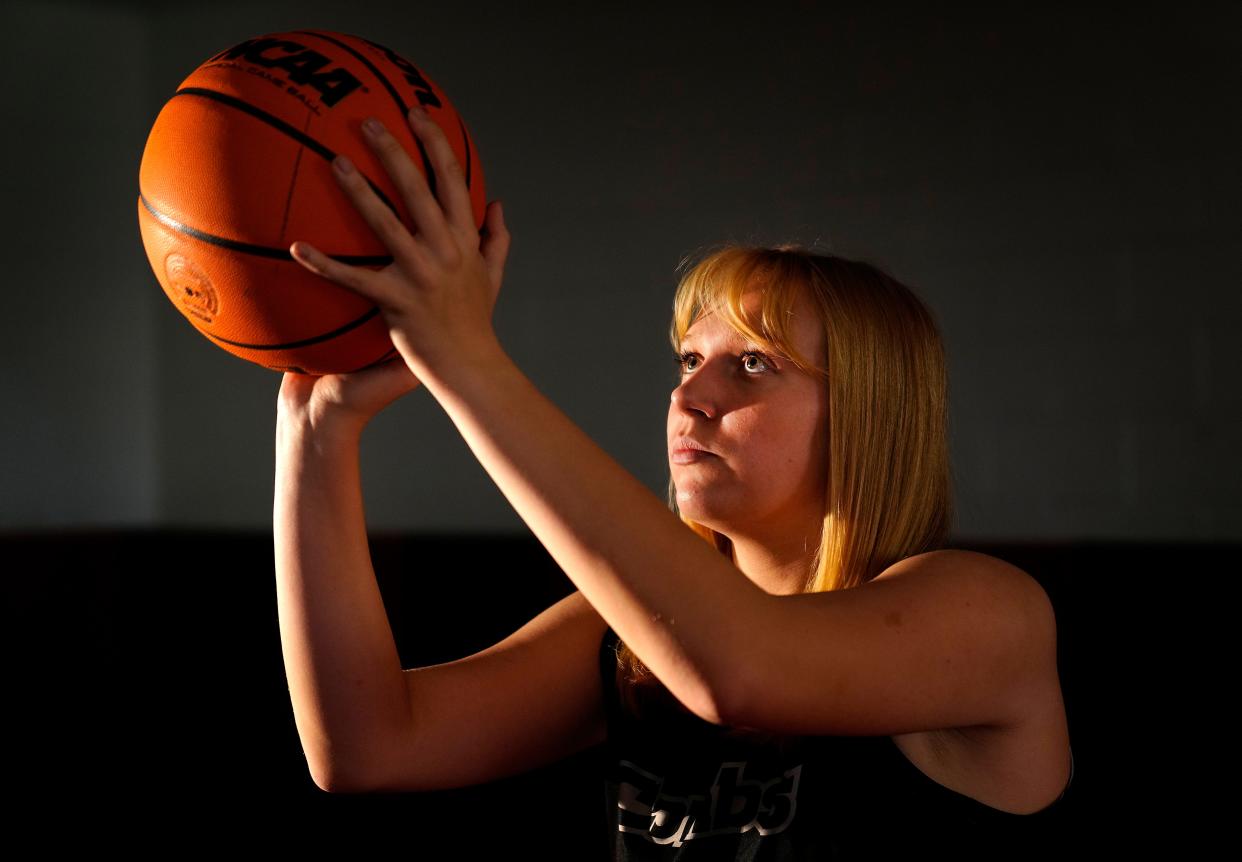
(431, 231)
(376, 213)
(450, 179)
(355, 278)
(412, 184)
(495, 246)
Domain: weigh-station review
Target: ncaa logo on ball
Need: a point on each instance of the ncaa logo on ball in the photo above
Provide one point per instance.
(190, 288)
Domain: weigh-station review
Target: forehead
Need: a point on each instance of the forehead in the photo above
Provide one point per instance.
(804, 326)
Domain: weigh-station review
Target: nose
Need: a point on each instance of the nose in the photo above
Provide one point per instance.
(692, 395)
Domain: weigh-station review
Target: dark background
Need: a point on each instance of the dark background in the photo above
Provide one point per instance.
(1058, 181)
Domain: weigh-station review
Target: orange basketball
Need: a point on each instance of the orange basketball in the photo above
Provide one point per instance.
(238, 165)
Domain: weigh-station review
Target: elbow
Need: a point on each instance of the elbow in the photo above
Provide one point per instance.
(336, 780)
(702, 702)
(720, 705)
(755, 663)
(733, 677)
(707, 707)
(710, 697)
(328, 782)
(721, 709)
(717, 716)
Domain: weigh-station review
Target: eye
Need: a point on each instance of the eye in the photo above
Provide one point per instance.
(681, 359)
(758, 356)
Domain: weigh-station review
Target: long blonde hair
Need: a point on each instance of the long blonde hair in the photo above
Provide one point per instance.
(889, 493)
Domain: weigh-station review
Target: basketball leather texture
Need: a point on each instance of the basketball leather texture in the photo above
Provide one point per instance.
(238, 166)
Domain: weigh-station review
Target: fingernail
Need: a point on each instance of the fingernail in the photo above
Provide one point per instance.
(418, 111)
(343, 164)
(305, 251)
(373, 126)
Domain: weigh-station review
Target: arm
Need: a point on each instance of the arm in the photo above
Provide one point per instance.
(714, 638)
(684, 609)
(943, 639)
(672, 597)
(345, 677)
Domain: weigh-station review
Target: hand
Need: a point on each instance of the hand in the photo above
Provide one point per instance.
(438, 294)
(349, 400)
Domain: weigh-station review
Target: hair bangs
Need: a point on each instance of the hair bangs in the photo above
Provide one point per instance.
(718, 284)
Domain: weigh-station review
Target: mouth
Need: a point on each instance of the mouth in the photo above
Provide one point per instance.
(689, 456)
(683, 444)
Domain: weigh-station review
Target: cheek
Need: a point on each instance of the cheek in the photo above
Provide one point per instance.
(785, 444)
(761, 444)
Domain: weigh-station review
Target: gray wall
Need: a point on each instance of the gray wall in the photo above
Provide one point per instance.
(1060, 184)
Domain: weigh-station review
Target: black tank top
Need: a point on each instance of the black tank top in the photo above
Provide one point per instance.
(679, 787)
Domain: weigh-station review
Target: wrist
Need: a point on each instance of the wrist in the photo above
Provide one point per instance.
(443, 371)
(322, 429)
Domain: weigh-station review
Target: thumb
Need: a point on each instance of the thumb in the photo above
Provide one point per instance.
(494, 245)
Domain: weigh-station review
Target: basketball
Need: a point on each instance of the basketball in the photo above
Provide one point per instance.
(238, 165)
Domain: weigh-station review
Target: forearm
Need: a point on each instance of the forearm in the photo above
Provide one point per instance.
(343, 670)
(684, 609)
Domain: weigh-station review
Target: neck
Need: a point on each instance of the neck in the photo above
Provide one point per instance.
(778, 568)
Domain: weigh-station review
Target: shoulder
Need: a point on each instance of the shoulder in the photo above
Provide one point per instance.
(1010, 590)
(980, 569)
(983, 761)
(958, 559)
(1030, 614)
(943, 639)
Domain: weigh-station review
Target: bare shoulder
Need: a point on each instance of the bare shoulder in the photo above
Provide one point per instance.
(960, 558)
(1024, 766)
(999, 574)
(1038, 683)
(1035, 599)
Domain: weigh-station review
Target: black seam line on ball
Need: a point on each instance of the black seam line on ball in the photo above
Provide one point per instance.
(257, 250)
(428, 170)
(282, 127)
(353, 324)
(379, 361)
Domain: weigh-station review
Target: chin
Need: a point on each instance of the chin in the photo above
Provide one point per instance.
(694, 509)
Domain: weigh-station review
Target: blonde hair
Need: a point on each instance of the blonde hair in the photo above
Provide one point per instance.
(889, 493)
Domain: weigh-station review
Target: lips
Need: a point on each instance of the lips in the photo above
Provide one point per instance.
(684, 443)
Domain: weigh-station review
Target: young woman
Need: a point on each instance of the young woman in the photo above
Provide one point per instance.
(787, 665)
